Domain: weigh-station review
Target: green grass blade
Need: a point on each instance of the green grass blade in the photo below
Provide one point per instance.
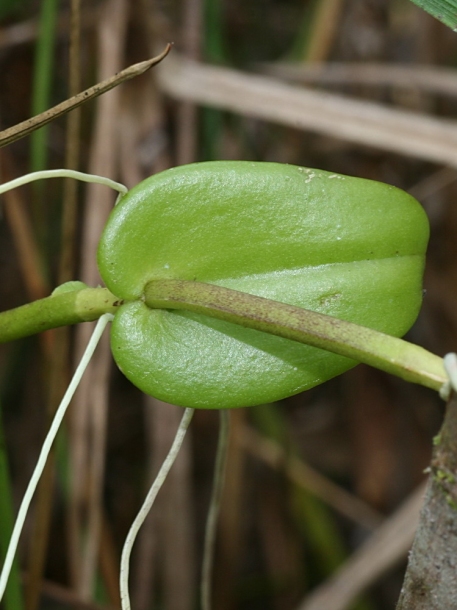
(13, 593)
(214, 51)
(443, 10)
(44, 63)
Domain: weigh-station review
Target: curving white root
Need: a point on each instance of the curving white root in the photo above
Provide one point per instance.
(95, 338)
(62, 173)
(144, 510)
(450, 366)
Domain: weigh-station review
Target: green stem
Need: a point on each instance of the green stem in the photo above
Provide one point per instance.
(57, 310)
(398, 357)
(13, 592)
(43, 74)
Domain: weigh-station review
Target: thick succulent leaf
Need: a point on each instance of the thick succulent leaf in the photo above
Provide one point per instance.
(344, 246)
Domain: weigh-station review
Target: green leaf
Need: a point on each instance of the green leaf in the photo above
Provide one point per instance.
(443, 10)
(346, 247)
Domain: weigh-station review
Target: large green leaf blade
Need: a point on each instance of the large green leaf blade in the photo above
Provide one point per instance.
(443, 10)
(346, 247)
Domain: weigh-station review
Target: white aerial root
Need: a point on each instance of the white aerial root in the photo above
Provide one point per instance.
(450, 366)
(144, 510)
(62, 173)
(95, 338)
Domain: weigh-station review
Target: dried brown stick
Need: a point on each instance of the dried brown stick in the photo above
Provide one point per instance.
(302, 474)
(434, 79)
(26, 127)
(91, 399)
(59, 357)
(72, 152)
(187, 112)
(382, 550)
(67, 597)
(28, 253)
(365, 123)
(323, 29)
(24, 32)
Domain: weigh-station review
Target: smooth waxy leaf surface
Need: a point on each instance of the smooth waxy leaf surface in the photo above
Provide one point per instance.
(347, 247)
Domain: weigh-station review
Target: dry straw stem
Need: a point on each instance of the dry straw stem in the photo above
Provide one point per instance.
(323, 29)
(26, 127)
(89, 416)
(165, 557)
(413, 134)
(24, 32)
(406, 76)
(65, 596)
(305, 476)
(28, 253)
(384, 549)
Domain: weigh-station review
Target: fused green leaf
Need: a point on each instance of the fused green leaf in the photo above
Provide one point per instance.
(347, 247)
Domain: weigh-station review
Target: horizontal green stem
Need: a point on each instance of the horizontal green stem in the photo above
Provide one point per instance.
(396, 356)
(57, 310)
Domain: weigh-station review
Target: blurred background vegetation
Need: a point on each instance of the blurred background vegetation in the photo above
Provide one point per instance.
(322, 489)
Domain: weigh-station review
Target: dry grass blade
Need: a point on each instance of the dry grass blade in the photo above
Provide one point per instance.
(26, 127)
(406, 76)
(324, 27)
(16, 215)
(231, 531)
(167, 554)
(178, 554)
(298, 471)
(367, 123)
(388, 545)
(187, 113)
(91, 400)
(24, 32)
(72, 150)
(64, 596)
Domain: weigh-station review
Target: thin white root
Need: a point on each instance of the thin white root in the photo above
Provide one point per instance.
(95, 338)
(144, 510)
(62, 173)
(450, 366)
(214, 509)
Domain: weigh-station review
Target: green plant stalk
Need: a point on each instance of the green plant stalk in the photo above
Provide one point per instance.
(214, 51)
(13, 592)
(57, 310)
(42, 79)
(390, 354)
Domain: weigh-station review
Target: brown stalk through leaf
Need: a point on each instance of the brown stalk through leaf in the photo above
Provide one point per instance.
(26, 127)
